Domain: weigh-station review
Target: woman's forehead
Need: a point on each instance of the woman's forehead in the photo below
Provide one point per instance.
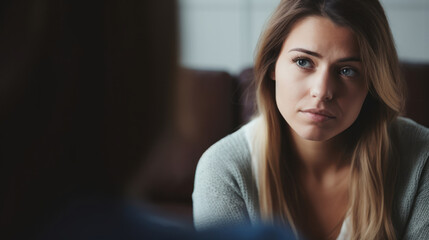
(321, 35)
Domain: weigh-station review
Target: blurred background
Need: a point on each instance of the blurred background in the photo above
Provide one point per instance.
(222, 34)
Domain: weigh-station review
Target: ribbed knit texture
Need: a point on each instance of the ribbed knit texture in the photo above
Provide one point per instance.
(411, 203)
(225, 190)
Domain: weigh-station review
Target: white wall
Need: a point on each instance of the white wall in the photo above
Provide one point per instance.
(222, 34)
(409, 21)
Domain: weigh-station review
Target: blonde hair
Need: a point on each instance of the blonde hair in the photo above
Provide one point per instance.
(373, 165)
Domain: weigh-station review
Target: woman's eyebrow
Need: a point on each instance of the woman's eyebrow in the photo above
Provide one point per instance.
(318, 55)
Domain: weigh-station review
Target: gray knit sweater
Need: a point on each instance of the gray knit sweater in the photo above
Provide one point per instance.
(226, 192)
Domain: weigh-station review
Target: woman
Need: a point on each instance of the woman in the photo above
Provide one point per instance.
(327, 153)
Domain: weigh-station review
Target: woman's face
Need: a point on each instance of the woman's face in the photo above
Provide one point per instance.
(320, 87)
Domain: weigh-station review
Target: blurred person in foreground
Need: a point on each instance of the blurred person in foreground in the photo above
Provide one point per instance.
(86, 90)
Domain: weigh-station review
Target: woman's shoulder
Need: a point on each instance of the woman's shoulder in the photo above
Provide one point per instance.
(232, 151)
(412, 139)
(412, 185)
(411, 129)
(224, 189)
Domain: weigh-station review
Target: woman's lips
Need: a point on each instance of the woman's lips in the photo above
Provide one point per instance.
(318, 115)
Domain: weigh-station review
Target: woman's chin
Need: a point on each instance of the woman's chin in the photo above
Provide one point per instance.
(317, 135)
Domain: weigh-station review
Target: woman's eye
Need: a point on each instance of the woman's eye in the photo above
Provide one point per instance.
(304, 63)
(348, 72)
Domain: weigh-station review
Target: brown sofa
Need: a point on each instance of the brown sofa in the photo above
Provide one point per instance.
(212, 104)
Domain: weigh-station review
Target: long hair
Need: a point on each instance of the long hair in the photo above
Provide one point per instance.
(373, 166)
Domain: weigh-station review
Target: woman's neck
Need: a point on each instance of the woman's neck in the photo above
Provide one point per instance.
(323, 174)
(319, 158)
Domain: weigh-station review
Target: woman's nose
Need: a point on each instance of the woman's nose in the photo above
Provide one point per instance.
(322, 86)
